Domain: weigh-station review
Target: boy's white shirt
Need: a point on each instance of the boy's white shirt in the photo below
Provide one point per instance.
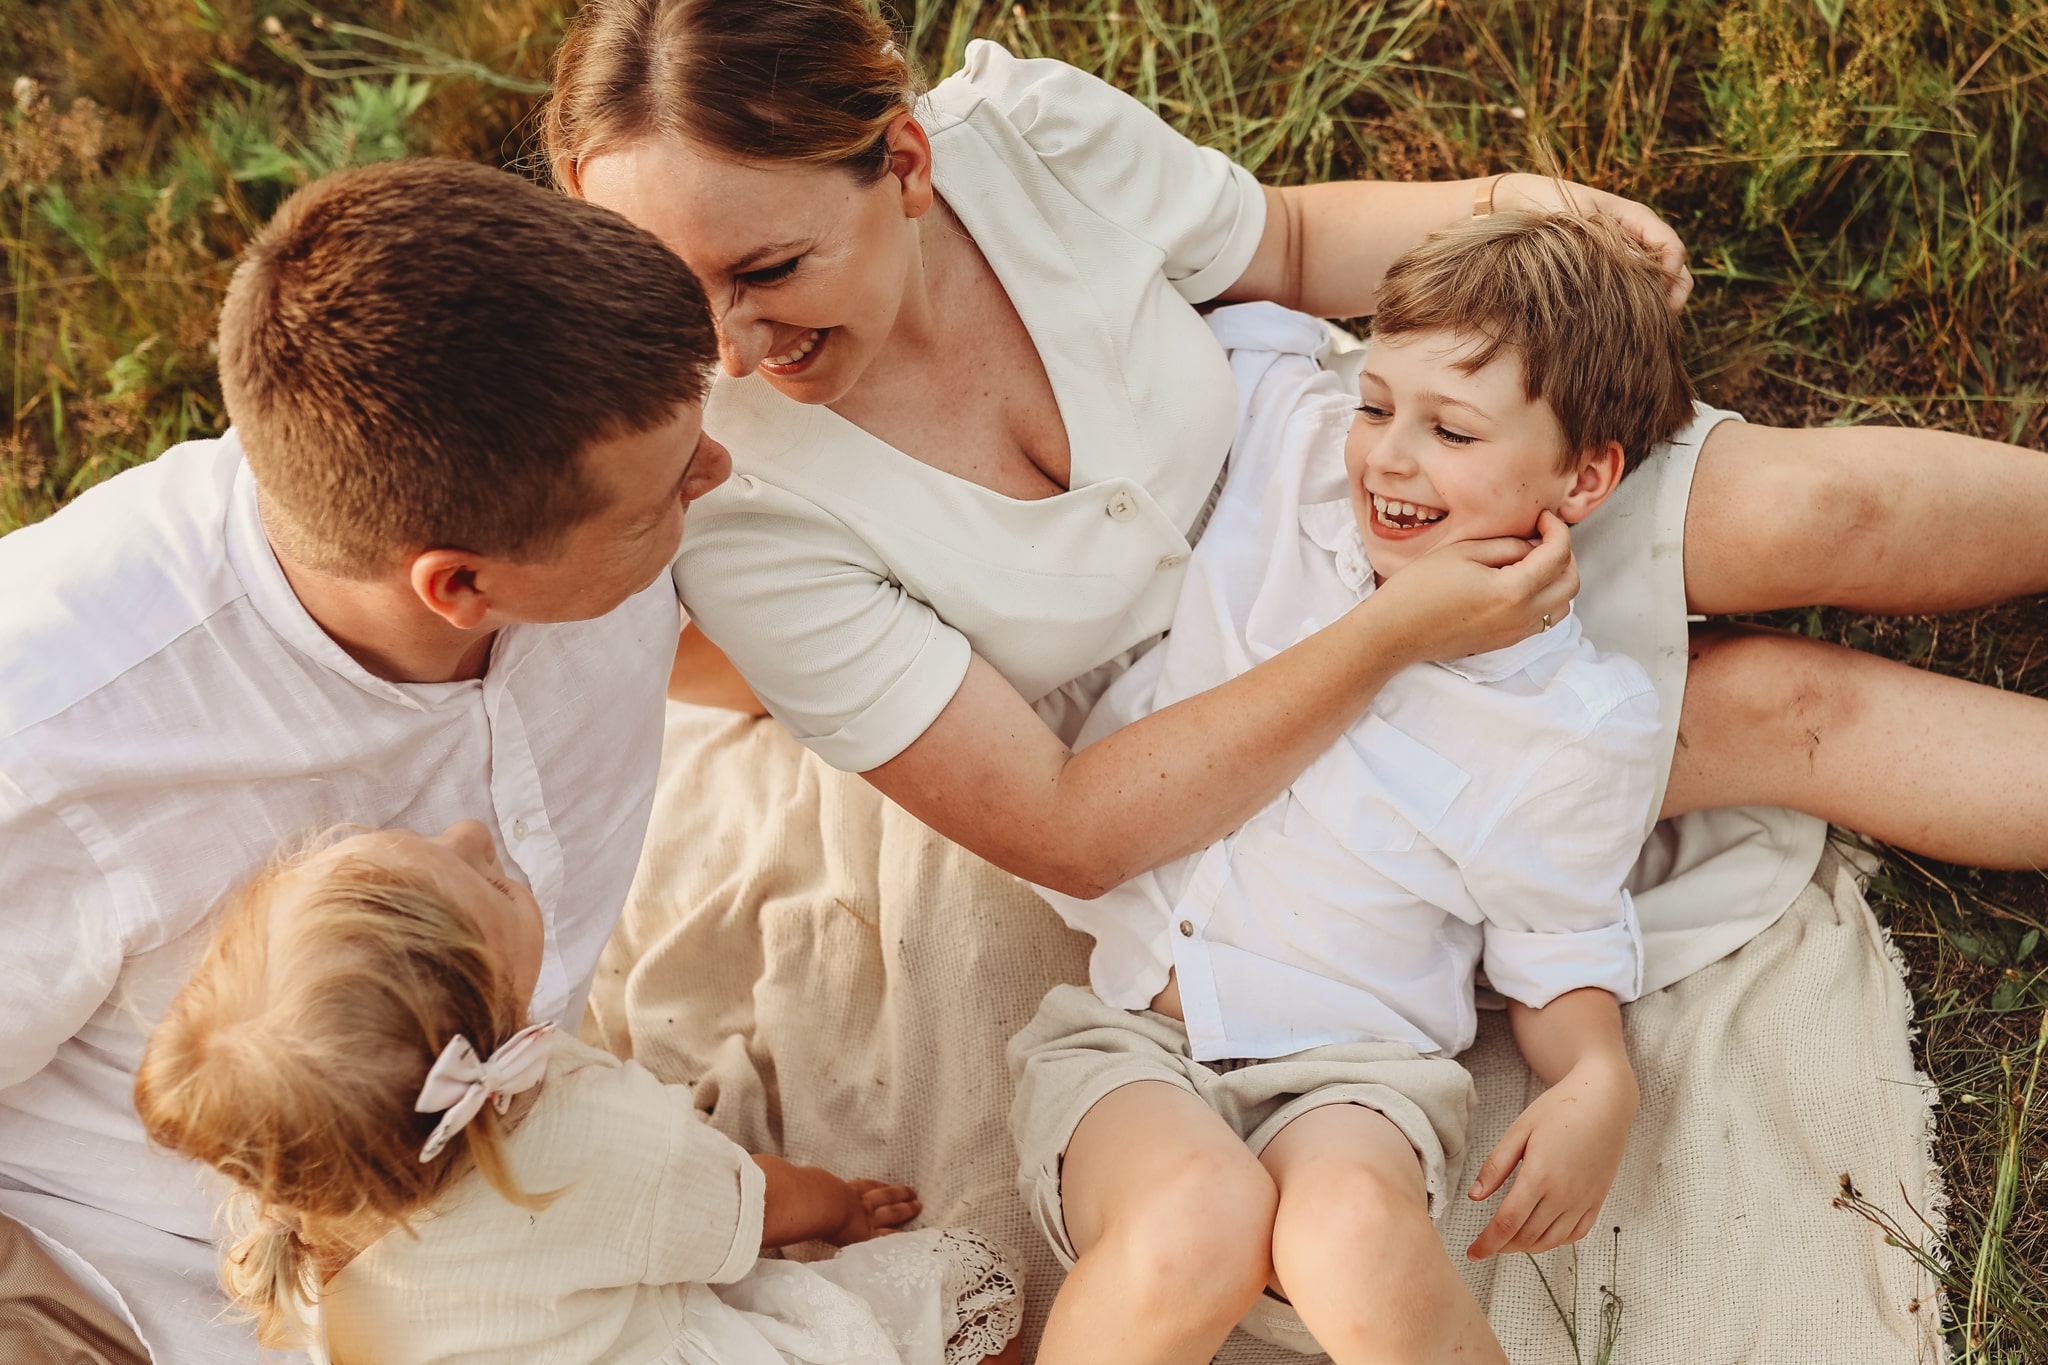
(1485, 810)
(169, 713)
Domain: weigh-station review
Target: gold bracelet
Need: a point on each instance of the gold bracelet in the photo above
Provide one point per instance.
(1482, 200)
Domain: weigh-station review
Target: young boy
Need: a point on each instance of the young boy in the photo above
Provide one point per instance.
(1258, 1090)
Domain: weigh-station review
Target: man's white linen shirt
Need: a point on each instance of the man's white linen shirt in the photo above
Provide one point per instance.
(1485, 811)
(169, 714)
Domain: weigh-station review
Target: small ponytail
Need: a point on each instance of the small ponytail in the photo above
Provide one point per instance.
(290, 1063)
(268, 1269)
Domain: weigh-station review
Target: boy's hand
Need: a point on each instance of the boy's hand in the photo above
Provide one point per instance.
(1568, 1146)
(873, 1208)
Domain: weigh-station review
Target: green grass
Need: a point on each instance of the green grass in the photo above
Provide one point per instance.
(1863, 186)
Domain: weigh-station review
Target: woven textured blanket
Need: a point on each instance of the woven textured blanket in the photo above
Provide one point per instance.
(838, 983)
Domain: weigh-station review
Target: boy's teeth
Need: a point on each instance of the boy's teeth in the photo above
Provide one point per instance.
(1388, 508)
(802, 349)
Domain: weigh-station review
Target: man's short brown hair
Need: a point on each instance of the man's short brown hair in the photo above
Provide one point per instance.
(1581, 305)
(415, 353)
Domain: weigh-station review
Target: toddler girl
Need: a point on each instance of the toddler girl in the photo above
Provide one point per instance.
(424, 1175)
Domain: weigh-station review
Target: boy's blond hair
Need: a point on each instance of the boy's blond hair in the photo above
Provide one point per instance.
(1582, 306)
(290, 1063)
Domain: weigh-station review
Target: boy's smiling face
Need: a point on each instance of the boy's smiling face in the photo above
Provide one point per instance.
(1437, 455)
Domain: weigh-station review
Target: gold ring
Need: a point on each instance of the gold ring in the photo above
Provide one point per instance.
(1546, 620)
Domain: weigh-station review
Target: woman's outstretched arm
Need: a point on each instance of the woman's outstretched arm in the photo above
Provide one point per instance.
(989, 775)
(1325, 247)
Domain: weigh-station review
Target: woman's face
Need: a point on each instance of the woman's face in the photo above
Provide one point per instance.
(806, 267)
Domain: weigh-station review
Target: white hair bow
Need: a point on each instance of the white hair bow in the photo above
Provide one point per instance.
(459, 1084)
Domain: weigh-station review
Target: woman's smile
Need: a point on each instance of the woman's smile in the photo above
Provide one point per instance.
(799, 356)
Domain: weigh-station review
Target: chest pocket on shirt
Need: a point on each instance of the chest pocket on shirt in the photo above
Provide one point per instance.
(1377, 789)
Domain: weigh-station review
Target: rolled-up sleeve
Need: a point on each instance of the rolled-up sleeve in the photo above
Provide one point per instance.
(61, 948)
(1203, 211)
(1549, 879)
(695, 1193)
(853, 665)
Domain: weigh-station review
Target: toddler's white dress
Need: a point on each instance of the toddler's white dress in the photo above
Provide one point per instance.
(650, 1255)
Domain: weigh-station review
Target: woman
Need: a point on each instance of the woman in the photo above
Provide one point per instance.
(980, 414)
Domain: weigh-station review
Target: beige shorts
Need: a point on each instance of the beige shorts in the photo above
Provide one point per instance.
(1078, 1049)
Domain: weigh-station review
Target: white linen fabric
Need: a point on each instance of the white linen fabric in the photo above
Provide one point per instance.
(650, 1255)
(651, 1202)
(849, 582)
(839, 982)
(1486, 809)
(169, 714)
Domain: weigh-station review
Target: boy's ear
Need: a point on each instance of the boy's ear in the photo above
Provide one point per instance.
(1597, 476)
(454, 585)
(910, 161)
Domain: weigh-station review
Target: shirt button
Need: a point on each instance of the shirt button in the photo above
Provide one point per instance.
(1121, 506)
(519, 830)
(1171, 561)
(1187, 928)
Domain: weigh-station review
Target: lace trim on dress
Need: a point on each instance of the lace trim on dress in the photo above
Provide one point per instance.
(988, 1305)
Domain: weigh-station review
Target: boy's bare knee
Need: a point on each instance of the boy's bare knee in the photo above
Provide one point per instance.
(1199, 1238)
(1374, 1223)
(1355, 1206)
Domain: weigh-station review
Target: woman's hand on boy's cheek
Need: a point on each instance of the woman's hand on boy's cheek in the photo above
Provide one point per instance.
(1567, 1146)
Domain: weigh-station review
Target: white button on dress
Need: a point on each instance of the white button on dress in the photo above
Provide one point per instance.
(1121, 506)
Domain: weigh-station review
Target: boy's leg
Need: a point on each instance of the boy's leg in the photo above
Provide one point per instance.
(1172, 1220)
(1355, 1251)
(1943, 767)
(1876, 519)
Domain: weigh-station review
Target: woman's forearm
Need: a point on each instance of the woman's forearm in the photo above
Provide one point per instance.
(1326, 247)
(989, 775)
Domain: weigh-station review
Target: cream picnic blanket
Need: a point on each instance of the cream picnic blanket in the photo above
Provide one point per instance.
(838, 983)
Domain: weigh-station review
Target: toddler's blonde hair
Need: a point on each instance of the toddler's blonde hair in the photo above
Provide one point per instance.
(291, 1061)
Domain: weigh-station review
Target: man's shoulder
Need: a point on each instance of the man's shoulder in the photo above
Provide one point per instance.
(113, 578)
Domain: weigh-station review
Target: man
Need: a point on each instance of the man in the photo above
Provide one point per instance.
(423, 579)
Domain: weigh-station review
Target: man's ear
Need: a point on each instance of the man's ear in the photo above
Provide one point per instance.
(1597, 477)
(454, 585)
(910, 161)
